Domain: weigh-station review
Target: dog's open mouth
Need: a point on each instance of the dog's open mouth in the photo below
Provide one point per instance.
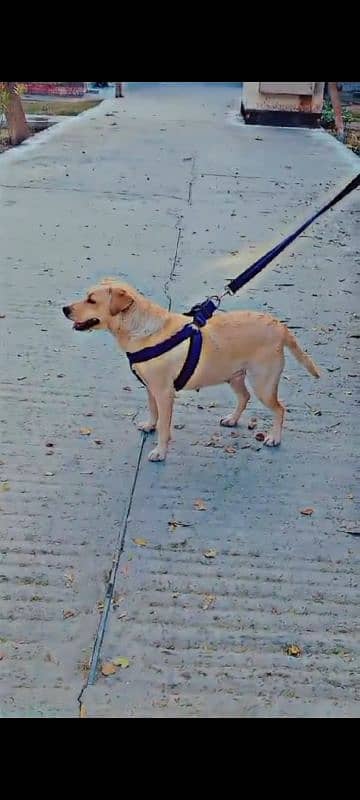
(85, 326)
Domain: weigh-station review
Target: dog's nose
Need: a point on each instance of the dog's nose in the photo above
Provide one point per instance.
(67, 311)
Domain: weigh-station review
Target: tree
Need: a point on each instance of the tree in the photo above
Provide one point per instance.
(11, 106)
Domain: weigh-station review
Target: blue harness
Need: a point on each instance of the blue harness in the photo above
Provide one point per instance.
(148, 353)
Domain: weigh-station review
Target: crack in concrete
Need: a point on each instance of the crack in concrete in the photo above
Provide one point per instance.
(192, 181)
(119, 547)
(120, 543)
(124, 195)
(171, 276)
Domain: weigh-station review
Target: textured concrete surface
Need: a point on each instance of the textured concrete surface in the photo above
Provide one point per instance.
(169, 190)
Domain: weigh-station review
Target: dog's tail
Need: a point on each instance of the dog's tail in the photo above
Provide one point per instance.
(303, 358)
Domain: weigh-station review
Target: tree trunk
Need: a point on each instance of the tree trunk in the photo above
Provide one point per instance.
(15, 117)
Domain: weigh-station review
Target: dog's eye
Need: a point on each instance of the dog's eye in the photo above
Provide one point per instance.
(90, 300)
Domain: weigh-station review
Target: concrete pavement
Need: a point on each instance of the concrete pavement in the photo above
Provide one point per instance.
(170, 191)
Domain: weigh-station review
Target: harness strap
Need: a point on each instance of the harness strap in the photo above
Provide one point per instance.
(148, 353)
(192, 360)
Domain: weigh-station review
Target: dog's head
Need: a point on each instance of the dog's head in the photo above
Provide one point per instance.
(101, 305)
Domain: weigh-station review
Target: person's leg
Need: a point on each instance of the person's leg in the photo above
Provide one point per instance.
(336, 104)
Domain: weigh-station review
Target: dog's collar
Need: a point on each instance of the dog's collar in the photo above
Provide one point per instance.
(187, 332)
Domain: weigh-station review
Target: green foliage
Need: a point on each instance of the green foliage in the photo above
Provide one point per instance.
(327, 117)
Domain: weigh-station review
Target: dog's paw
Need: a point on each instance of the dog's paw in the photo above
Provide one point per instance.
(228, 422)
(147, 427)
(157, 455)
(271, 441)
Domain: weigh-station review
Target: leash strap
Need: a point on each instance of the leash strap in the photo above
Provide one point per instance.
(262, 262)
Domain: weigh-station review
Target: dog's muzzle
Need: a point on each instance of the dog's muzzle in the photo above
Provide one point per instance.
(81, 326)
(87, 325)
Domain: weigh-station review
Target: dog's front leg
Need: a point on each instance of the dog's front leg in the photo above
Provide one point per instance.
(164, 400)
(150, 425)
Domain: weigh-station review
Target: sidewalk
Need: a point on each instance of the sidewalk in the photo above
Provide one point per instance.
(167, 190)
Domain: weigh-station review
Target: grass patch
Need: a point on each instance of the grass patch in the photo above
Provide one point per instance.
(58, 108)
(4, 139)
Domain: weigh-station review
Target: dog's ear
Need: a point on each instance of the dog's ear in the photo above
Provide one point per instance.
(120, 300)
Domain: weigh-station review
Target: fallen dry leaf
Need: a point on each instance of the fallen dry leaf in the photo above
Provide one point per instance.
(140, 542)
(117, 599)
(230, 450)
(121, 662)
(175, 523)
(50, 658)
(69, 613)
(252, 423)
(200, 505)
(108, 668)
(49, 474)
(260, 437)
(214, 441)
(69, 578)
(98, 441)
(293, 650)
(307, 512)
(208, 601)
(5, 486)
(208, 648)
(85, 431)
(211, 553)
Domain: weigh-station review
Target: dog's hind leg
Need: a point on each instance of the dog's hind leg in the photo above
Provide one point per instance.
(265, 381)
(237, 383)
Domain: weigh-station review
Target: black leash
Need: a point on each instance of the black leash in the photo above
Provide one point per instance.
(203, 311)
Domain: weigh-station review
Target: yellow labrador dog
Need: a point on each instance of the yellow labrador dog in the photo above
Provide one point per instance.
(234, 344)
